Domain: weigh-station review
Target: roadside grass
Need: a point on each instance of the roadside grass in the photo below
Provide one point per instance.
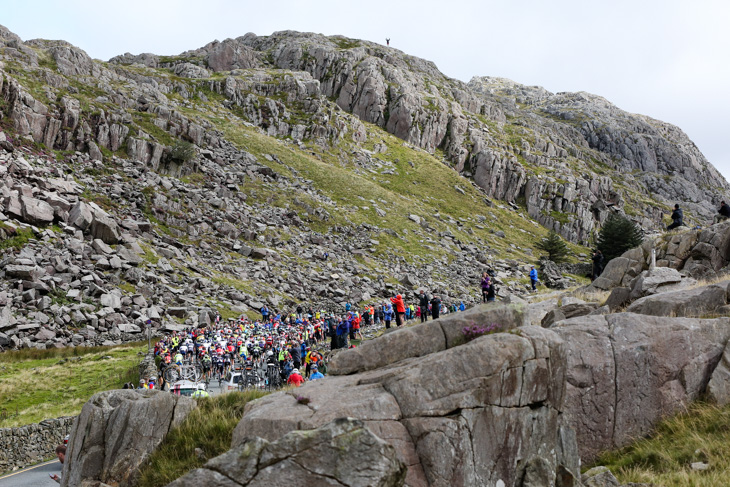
(41, 384)
(700, 434)
(208, 427)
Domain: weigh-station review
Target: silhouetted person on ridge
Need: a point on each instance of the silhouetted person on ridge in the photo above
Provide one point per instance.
(387, 41)
(677, 218)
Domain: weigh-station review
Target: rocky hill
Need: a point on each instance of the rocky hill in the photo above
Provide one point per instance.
(167, 187)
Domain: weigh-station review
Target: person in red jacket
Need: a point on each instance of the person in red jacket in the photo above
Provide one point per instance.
(400, 309)
(295, 378)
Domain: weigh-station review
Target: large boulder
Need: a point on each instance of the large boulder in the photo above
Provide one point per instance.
(115, 433)
(342, 452)
(568, 311)
(35, 211)
(426, 338)
(656, 280)
(627, 371)
(477, 413)
(685, 302)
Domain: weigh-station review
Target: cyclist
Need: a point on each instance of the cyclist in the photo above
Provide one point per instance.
(207, 364)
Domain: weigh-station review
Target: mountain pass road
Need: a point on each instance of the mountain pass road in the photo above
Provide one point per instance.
(35, 476)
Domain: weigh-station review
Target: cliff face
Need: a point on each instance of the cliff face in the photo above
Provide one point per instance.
(567, 158)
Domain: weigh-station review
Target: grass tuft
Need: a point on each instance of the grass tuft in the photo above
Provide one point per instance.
(700, 434)
(209, 427)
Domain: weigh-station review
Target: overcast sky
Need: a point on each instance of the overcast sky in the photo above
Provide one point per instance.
(668, 59)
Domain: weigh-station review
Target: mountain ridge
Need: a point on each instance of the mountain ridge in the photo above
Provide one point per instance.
(418, 106)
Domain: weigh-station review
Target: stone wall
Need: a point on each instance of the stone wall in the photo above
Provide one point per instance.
(32, 443)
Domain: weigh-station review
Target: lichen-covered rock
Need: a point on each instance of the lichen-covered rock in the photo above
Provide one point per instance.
(626, 371)
(342, 452)
(488, 403)
(693, 302)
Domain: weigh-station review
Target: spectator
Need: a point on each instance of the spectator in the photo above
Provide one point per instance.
(435, 306)
(423, 305)
(533, 277)
(316, 374)
(295, 378)
(723, 213)
(485, 286)
(677, 218)
(597, 264)
(400, 309)
(61, 455)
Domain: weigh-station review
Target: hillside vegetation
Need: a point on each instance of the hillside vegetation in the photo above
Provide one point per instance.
(700, 436)
(41, 384)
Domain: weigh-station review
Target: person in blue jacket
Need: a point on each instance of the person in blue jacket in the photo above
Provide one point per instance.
(387, 314)
(461, 306)
(343, 329)
(533, 277)
(316, 374)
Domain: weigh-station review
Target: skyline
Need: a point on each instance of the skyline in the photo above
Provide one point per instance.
(659, 59)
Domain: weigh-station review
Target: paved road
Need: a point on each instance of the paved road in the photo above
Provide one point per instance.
(36, 476)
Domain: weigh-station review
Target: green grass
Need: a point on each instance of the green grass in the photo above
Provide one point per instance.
(209, 427)
(701, 434)
(40, 384)
(425, 188)
(21, 237)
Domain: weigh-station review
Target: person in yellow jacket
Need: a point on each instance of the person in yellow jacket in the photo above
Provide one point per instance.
(200, 393)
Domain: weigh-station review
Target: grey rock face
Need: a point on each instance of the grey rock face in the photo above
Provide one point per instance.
(626, 371)
(342, 452)
(686, 302)
(718, 389)
(505, 405)
(115, 433)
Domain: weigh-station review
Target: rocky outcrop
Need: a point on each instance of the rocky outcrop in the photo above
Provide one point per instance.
(116, 431)
(342, 452)
(500, 417)
(625, 372)
(694, 302)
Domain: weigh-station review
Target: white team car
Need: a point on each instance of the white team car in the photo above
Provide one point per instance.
(186, 387)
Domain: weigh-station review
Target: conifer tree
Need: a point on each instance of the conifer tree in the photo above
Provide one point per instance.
(618, 235)
(555, 247)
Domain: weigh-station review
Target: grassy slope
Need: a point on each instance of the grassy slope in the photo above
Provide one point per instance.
(41, 384)
(701, 434)
(424, 190)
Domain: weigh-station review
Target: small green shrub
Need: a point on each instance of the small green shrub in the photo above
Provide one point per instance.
(182, 151)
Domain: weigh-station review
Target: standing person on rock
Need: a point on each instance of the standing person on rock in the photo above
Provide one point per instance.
(387, 314)
(485, 286)
(400, 309)
(423, 305)
(435, 306)
(533, 277)
(677, 218)
(597, 264)
(264, 313)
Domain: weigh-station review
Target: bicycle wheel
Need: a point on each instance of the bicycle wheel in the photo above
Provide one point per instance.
(172, 374)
